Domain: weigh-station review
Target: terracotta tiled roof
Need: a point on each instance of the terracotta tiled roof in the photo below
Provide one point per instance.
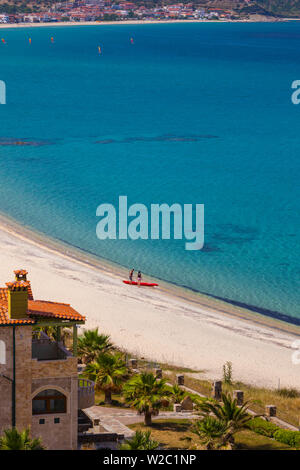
(17, 285)
(43, 308)
(36, 308)
(3, 292)
(30, 294)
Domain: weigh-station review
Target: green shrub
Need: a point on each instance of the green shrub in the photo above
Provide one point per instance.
(268, 429)
(289, 393)
(291, 438)
(227, 373)
(196, 398)
(265, 428)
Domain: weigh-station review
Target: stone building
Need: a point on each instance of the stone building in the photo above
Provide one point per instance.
(39, 385)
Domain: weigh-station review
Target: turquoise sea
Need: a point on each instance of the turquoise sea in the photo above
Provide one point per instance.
(189, 113)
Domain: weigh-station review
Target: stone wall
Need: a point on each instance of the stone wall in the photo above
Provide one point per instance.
(61, 435)
(5, 385)
(31, 377)
(23, 376)
(54, 368)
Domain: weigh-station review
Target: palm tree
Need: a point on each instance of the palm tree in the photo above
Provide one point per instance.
(177, 393)
(210, 430)
(51, 332)
(140, 441)
(146, 393)
(91, 343)
(108, 371)
(235, 417)
(15, 440)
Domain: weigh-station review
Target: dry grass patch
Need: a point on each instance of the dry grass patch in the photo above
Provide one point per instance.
(288, 409)
(171, 434)
(117, 399)
(180, 370)
(201, 386)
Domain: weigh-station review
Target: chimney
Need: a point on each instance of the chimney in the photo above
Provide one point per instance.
(21, 275)
(17, 299)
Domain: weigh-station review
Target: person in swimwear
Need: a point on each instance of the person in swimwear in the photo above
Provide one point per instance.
(139, 277)
(131, 274)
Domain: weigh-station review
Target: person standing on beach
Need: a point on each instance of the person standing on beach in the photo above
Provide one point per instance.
(139, 278)
(131, 274)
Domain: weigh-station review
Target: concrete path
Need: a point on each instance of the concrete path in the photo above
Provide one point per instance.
(117, 419)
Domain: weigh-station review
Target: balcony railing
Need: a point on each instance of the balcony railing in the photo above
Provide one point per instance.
(86, 393)
(44, 349)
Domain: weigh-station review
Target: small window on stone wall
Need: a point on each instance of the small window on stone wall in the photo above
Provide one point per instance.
(2, 352)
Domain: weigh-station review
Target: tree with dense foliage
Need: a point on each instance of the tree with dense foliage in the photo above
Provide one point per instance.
(211, 431)
(15, 440)
(108, 371)
(91, 344)
(140, 441)
(147, 394)
(177, 394)
(51, 332)
(234, 417)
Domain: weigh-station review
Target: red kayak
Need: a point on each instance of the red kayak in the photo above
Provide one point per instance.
(145, 284)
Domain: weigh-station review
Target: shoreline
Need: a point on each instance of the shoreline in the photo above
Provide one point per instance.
(138, 22)
(78, 255)
(167, 324)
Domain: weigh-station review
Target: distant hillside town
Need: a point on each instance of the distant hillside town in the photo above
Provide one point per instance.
(114, 10)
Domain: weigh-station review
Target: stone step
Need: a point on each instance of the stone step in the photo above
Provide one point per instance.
(83, 427)
(82, 419)
(115, 426)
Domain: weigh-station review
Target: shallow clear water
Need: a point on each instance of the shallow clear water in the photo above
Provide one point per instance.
(191, 113)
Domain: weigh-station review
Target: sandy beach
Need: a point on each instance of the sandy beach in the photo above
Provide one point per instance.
(99, 23)
(92, 23)
(256, 18)
(164, 324)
